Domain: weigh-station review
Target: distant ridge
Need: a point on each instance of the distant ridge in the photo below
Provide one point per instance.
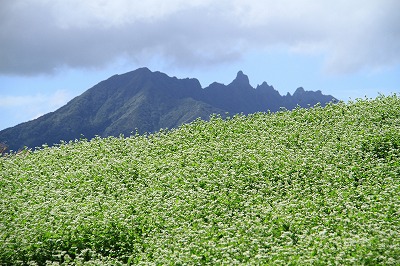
(147, 101)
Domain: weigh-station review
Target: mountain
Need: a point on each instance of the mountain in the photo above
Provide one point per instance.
(146, 101)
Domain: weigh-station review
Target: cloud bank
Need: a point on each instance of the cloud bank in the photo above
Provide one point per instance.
(41, 36)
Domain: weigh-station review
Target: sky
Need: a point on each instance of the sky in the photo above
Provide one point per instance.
(53, 50)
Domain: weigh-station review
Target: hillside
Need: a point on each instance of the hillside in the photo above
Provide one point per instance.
(147, 101)
(315, 186)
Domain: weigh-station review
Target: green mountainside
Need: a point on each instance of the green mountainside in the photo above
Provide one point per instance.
(318, 186)
(146, 101)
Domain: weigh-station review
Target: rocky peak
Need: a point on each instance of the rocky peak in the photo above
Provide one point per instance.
(241, 80)
(299, 91)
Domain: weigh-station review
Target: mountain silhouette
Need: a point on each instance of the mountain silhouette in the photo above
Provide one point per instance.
(146, 101)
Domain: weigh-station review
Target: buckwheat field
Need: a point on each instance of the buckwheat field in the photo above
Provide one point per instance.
(318, 186)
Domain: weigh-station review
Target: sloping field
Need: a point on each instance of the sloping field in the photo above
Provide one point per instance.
(304, 187)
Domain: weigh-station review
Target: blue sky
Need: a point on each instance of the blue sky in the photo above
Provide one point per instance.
(52, 51)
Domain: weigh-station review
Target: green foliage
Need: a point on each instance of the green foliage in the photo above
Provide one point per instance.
(315, 186)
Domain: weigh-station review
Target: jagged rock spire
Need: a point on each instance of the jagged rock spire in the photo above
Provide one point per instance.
(241, 79)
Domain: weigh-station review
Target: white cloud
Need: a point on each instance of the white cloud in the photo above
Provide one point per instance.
(57, 99)
(29, 107)
(40, 36)
(16, 101)
(76, 13)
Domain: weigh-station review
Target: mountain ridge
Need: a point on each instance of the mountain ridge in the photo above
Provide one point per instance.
(146, 101)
